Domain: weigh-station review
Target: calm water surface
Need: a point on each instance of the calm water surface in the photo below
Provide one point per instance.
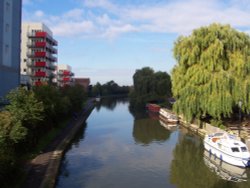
(118, 148)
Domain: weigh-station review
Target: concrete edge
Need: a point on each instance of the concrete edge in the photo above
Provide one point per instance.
(51, 174)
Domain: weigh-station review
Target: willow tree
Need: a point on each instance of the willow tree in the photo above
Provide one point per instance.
(213, 72)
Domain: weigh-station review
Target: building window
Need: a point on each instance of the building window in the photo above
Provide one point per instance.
(6, 49)
(24, 60)
(7, 28)
(7, 6)
(24, 70)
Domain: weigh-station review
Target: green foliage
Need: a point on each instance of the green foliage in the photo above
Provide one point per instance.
(23, 112)
(109, 88)
(212, 73)
(54, 103)
(76, 95)
(24, 107)
(150, 86)
(29, 116)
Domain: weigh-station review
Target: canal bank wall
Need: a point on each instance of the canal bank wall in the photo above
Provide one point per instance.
(49, 180)
(42, 171)
(209, 129)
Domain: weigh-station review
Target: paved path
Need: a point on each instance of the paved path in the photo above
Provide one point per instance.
(38, 168)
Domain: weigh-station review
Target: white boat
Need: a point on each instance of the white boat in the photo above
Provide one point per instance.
(98, 99)
(170, 117)
(168, 126)
(228, 148)
(224, 170)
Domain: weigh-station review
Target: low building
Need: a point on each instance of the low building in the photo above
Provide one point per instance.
(83, 82)
(65, 76)
(38, 55)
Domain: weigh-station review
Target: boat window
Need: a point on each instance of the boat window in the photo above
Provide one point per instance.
(243, 149)
(235, 149)
(218, 134)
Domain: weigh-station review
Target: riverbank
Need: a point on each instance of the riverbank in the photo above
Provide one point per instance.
(42, 170)
(208, 129)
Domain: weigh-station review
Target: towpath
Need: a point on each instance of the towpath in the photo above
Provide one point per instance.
(43, 169)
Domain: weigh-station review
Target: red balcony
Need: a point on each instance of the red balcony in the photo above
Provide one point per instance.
(40, 74)
(40, 44)
(40, 54)
(41, 34)
(66, 73)
(40, 64)
(38, 83)
(66, 79)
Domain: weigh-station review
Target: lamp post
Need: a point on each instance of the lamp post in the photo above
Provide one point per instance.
(240, 104)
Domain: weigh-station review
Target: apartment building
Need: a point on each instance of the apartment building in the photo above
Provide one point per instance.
(65, 76)
(10, 30)
(39, 54)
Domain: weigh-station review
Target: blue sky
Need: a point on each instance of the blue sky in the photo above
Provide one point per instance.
(109, 39)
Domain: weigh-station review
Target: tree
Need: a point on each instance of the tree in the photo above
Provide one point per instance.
(55, 104)
(24, 112)
(150, 86)
(76, 95)
(213, 72)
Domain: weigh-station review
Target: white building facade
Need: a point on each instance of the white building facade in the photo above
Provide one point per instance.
(65, 76)
(39, 54)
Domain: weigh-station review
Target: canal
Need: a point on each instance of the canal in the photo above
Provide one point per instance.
(120, 148)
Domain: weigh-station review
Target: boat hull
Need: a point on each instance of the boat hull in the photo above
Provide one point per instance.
(167, 116)
(237, 161)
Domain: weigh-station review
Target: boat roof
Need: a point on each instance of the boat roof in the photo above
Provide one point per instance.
(228, 139)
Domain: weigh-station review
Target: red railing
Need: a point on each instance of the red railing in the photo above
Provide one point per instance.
(41, 34)
(40, 74)
(66, 73)
(40, 54)
(40, 44)
(40, 64)
(38, 83)
(66, 79)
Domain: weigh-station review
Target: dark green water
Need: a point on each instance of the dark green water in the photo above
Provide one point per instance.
(117, 148)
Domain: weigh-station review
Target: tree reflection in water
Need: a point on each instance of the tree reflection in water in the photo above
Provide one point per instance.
(146, 131)
(110, 102)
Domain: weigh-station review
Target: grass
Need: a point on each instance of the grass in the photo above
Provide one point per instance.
(48, 138)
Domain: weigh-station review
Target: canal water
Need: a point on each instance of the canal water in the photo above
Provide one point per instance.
(121, 148)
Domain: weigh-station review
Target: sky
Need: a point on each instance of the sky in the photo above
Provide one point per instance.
(108, 40)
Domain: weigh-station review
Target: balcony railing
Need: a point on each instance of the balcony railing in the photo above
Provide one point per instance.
(64, 73)
(42, 34)
(36, 64)
(40, 74)
(38, 83)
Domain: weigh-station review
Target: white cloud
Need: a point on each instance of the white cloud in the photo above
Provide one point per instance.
(112, 20)
(115, 31)
(74, 14)
(73, 28)
(39, 13)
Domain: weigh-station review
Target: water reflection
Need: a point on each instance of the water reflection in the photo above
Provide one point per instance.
(168, 126)
(110, 152)
(188, 169)
(110, 103)
(147, 130)
(224, 170)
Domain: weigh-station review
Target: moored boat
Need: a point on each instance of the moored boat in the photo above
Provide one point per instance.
(168, 126)
(228, 148)
(153, 107)
(170, 117)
